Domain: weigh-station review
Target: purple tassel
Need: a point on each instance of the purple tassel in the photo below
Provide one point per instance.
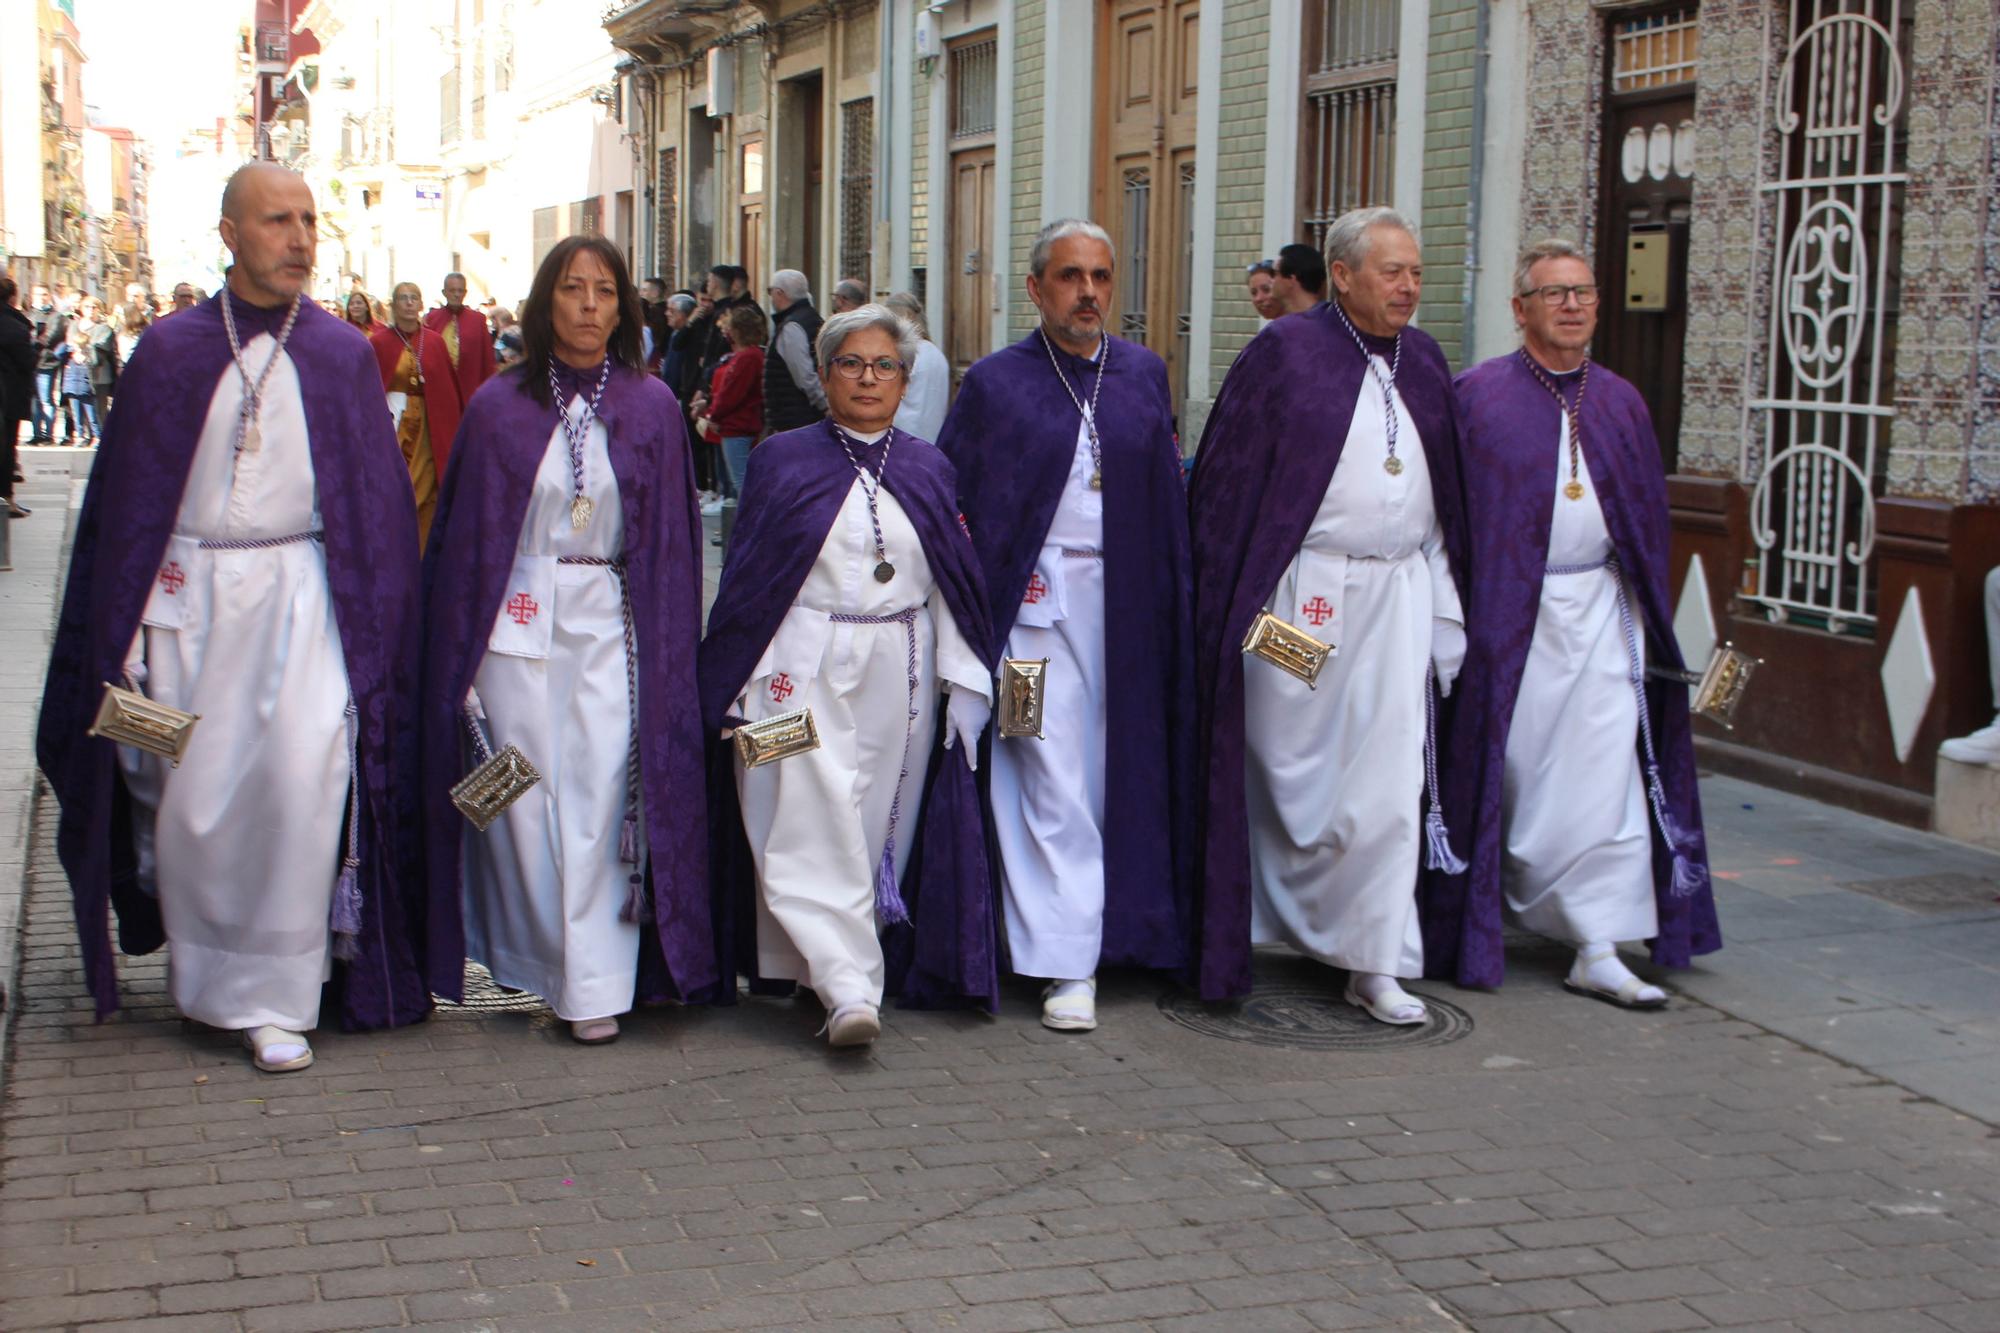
(628, 841)
(634, 910)
(1437, 845)
(889, 909)
(347, 900)
(1690, 877)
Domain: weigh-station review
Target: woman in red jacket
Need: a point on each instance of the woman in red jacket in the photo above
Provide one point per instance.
(734, 414)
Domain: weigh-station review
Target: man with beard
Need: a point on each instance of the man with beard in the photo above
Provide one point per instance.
(1070, 479)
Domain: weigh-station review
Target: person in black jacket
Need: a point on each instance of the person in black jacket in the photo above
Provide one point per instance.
(793, 395)
(17, 384)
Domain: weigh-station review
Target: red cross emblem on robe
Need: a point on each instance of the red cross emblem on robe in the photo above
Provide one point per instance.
(1318, 611)
(1037, 589)
(172, 577)
(781, 687)
(522, 608)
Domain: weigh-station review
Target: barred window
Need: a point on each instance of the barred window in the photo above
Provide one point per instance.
(857, 190)
(1653, 52)
(974, 71)
(666, 201)
(1138, 205)
(1350, 110)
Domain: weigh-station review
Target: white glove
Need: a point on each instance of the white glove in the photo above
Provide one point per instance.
(965, 714)
(1447, 651)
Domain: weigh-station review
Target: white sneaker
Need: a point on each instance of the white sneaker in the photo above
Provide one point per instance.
(710, 508)
(1981, 747)
(1070, 1006)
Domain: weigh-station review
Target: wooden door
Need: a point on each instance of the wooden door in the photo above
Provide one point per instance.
(1642, 265)
(973, 263)
(1145, 185)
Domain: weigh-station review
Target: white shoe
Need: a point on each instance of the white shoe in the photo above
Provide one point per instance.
(710, 508)
(1602, 975)
(276, 1051)
(1385, 1001)
(1070, 1006)
(853, 1025)
(1981, 747)
(593, 1031)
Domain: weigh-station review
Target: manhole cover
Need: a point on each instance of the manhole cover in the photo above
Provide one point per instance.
(484, 996)
(1932, 894)
(1301, 1015)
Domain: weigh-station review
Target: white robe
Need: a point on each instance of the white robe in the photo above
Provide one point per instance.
(1334, 775)
(1579, 850)
(242, 842)
(543, 885)
(1048, 794)
(817, 822)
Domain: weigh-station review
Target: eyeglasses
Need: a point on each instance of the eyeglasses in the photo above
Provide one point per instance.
(850, 367)
(1555, 294)
(1262, 266)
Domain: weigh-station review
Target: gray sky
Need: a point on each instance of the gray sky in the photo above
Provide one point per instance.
(156, 68)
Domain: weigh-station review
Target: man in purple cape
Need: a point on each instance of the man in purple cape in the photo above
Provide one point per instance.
(1312, 821)
(1581, 815)
(258, 523)
(1069, 473)
(945, 953)
(479, 523)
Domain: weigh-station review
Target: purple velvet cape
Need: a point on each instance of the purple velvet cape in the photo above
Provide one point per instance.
(1267, 456)
(1012, 436)
(498, 451)
(1509, 423)
(128, 514)
(792, 492)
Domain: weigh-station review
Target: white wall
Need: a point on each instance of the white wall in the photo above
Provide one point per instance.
(1500, 238)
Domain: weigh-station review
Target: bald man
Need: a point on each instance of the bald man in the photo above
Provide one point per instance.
(467, 339)
(214, 574)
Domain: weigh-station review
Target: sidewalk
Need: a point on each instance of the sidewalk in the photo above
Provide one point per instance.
(1780, 1149)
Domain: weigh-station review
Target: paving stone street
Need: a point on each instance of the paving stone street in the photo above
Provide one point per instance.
(1806, 1139)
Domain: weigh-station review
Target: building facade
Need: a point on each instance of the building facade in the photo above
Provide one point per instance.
(1791, 204)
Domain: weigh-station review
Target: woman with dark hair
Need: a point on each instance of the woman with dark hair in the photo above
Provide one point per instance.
(564, 591)
(359, 312)
(865, 627)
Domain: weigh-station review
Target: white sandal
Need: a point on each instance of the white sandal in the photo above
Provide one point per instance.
(277, 1051)
(1630, 993)
(855, 1024)
(1075, 1011)
(593, 1031)
(1394, 1005)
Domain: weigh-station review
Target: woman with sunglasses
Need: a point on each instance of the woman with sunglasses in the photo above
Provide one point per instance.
(851, 590)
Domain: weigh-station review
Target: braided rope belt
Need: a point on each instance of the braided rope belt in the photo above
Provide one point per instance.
(258, 543)
(1082, 553)
(889, 906)
(628, 835)
(1656, 793)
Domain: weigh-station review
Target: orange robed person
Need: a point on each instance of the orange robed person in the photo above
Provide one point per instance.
(423, 394)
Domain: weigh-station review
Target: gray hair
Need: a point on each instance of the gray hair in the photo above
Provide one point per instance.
(1347, 238)
(839, 328)
(847, 289)
(1553, 248)
(682, 302)
(793, 284)
(907, 305)
(1062, 229)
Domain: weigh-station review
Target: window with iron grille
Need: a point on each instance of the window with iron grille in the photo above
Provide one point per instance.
(1138, 206)
(1350, 111)
(666, 202)
(974, 70)
(857, 189)
(1655, 51)
(920, 285)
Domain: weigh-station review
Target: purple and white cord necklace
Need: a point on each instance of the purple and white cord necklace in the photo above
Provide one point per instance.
(577, 431)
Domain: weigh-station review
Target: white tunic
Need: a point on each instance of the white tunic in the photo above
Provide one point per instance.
(242, 842)
(1334, 775)
(817, 823)
(544, 885)
(1579, 850)
(1048, 794)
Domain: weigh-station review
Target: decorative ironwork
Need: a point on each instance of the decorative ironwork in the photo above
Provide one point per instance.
(1295, 1004)
(974, 83)
(666, 207)
(1350, 89)
(1138, 202)
(1829, 397)
(857, 190)
(1184, 288)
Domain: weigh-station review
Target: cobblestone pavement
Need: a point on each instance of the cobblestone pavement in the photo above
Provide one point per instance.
(1559, 1165)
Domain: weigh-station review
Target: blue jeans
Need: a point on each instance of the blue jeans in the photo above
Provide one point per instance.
(82, 408)
(45, 405)
(735, 458)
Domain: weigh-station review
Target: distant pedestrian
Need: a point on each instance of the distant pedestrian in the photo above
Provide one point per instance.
(51, 333)
(421, 389)
(78, 359)
(849, 294)
(467, 339)
(1261, 279)
(735, 413)
(133, 321)
(17, 385)
(359, 312)
(185, 297)
(1300, 283)
(928, 396)
(793, 394)
(104, 361)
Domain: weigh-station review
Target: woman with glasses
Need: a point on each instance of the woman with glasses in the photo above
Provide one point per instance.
(563, 596)
(852, 592)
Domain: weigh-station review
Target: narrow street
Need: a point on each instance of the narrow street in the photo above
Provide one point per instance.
(1804, 1139)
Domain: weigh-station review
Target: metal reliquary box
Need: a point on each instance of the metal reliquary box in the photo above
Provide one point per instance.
(776, 738)
(130, 718)
(1287, 647)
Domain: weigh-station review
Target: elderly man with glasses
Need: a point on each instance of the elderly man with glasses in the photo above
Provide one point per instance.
(1570, 766)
